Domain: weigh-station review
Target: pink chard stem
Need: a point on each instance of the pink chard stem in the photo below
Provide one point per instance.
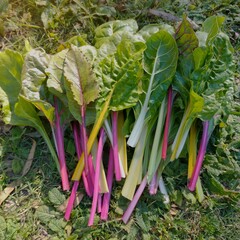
(96, 178)
(99, 204)
(167, 123)
(76, 126)
(107, 196)
(115, 146)
(71, 200)
(60, 147)
(134, 201)
(84, 137)
(200, 157)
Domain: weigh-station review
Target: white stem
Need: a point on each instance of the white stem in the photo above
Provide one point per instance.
(163, 190)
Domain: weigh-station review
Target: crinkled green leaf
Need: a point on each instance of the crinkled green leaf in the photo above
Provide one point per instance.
(34, 81)
(80, 79)
(148, 30)
(121, 76)
(212, 26)
(213, 75)
(114, 30)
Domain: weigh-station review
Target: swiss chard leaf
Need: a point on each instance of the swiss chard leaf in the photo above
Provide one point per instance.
(80, 79)
(55, 81)
(212, 26)
(121, 76)
(113, 31)
(34, 82)
(11, 63)
(160, 62)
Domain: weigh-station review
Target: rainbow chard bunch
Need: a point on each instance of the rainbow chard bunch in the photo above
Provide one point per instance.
(155, 89)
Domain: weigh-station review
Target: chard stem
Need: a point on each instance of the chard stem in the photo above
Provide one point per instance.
(167, 123)
(96, 177)
(133, 203)
(71, 200)
(200, 157)
(115, 146)
(80, 165)
(107, 196)
(60, 148)
(84, 137)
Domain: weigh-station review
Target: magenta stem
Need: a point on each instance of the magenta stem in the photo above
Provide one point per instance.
(77, 140)
(96, 178)
(153, 185)
(99, 205)
(200, 157)
(84, 137)
(134, 201)
(71, 200)
(60, 148)
(167, 123)
(115, 146)
(107, 196)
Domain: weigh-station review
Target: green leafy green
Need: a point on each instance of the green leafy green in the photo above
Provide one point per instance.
(80, 80)
(34, 81)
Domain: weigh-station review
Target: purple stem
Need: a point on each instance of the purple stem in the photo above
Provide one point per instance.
(91, 173)
(60, 148)
(77, 141)
(200, 157)
(99, 205)
(134, 201)
(107, 196)
(167, 123)
(96, 178)
(71, 200)
(84, 137)
(153, 185)
(115, 146)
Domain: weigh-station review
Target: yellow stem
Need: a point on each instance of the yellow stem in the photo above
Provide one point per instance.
(192, 149)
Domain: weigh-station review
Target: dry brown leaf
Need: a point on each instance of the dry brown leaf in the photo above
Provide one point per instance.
(29, 161)
(8, 190)
(78, 199)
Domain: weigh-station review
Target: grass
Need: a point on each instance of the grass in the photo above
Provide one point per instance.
(32, 209)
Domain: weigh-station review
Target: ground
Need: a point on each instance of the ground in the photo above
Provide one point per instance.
(33, 209)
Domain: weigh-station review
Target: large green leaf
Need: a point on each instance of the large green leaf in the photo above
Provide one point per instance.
(34, 81)
(160, 62)
(121, 76)
(114, 30)
(80, 79)
(212, 26)
(27, 116)
(10, 85)
(186, 38)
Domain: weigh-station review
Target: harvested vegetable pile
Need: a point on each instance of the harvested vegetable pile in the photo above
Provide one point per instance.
(155, 94)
